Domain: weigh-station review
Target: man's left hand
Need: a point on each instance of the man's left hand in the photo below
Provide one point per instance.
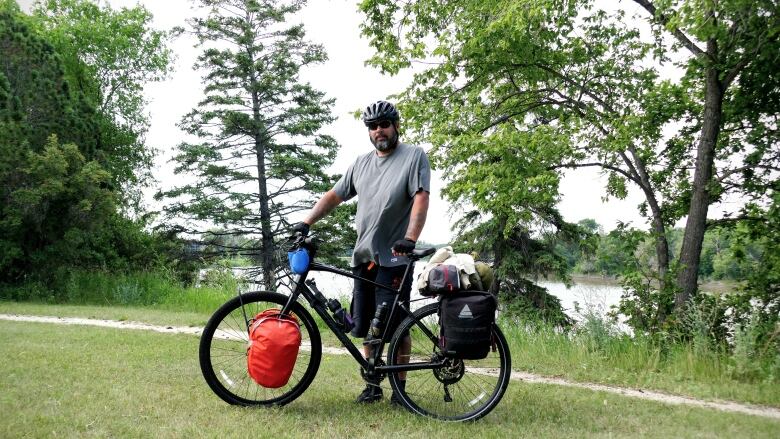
(403, 247)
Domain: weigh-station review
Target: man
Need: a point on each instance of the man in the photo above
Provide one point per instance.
(392, 184)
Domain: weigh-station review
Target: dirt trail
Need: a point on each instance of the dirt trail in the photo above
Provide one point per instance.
(727, 406)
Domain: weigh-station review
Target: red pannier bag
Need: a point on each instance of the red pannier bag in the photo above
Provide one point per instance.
(273, 347)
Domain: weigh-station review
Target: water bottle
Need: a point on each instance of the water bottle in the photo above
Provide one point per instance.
(342, 317)
(379, 321)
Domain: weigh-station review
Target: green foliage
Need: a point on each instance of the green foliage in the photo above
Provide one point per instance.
(221, 275)
(757, 306)
(338, 235)
(746, 364)
(259, 155)
(109, 55)
(578, 252)
(37, 99)
(63, 174)
(644, 304)
(57, 212)
(156, 288)
(517, 91)
(516, 258)
(524, 301)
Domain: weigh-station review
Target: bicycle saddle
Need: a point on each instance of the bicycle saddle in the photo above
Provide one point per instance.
(423, 252)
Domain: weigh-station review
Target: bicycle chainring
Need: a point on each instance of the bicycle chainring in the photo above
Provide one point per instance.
(373, 378)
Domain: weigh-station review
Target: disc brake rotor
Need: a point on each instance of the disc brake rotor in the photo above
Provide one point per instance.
(452, 371)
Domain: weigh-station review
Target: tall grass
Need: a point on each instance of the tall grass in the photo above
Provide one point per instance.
(595, 350)
(158, 289)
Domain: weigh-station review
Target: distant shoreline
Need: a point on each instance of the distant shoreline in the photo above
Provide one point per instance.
(710, 286)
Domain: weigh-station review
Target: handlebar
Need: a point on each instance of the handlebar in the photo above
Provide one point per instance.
(298, 240)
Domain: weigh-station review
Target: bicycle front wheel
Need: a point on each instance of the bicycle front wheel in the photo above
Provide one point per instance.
(224, 344)
(462, 390)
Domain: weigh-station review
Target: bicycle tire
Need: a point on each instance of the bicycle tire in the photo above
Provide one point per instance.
(223, 359)
(474, 387)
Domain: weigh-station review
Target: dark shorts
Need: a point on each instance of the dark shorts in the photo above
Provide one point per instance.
(367, 297)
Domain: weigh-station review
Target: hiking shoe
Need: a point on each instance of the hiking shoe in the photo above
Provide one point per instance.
(394, 398)
(369, 394)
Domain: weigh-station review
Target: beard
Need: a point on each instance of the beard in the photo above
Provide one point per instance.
(386, 144)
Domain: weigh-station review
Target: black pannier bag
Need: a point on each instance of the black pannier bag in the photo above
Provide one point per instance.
(443, 278)
(466, 320)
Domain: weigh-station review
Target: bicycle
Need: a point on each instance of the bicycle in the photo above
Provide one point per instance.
(436, 385)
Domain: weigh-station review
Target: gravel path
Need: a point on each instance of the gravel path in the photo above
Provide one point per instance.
(727, 406)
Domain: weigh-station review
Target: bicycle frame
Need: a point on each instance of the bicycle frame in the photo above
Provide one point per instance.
(452, 385)
(318, 302)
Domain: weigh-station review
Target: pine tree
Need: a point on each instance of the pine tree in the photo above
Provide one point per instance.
(40, 95)
(36, 102)
(60, 196)
(259, 153)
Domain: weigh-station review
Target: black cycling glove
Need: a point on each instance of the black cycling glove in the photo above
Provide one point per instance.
(404, 246)
(301, 228)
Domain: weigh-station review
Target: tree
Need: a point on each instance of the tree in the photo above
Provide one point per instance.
(509, 216)
(39, 99)
(108, 56)
(577, 253)
(259, 155)
(36, 101)
(583, 88)
(59, 212)
(60, 200)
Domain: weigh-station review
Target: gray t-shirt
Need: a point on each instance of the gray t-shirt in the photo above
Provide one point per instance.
(386, 187)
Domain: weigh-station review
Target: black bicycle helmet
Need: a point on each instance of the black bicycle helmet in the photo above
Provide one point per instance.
(380, 110)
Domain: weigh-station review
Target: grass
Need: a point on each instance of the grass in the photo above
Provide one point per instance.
(635, 362)
(591, 356)
(156, 289)
(585, 357)
(159, 315)
(76, 381)
(123, 313)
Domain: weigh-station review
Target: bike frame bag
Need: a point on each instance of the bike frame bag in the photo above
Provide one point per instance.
(274, 341)
(466, 320)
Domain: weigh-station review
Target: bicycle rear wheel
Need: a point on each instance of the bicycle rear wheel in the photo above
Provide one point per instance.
(462, 390)
(223, 352)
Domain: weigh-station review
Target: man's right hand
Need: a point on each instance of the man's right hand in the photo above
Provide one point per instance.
(301, 228)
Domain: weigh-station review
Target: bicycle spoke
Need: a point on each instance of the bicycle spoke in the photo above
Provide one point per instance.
(460, 390)
(224, 346)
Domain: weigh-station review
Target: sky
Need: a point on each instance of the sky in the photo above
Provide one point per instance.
(335, 25)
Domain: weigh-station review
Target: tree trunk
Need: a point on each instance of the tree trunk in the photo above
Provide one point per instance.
(659, 230)
(495, 287)
(690, 254)
(267, 238)
(498, 256)
(662, 253)
(637, 166)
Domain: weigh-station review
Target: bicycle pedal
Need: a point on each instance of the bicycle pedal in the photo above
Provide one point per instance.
(372, 342)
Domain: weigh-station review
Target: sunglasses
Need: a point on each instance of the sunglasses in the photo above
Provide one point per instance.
(381, 124)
